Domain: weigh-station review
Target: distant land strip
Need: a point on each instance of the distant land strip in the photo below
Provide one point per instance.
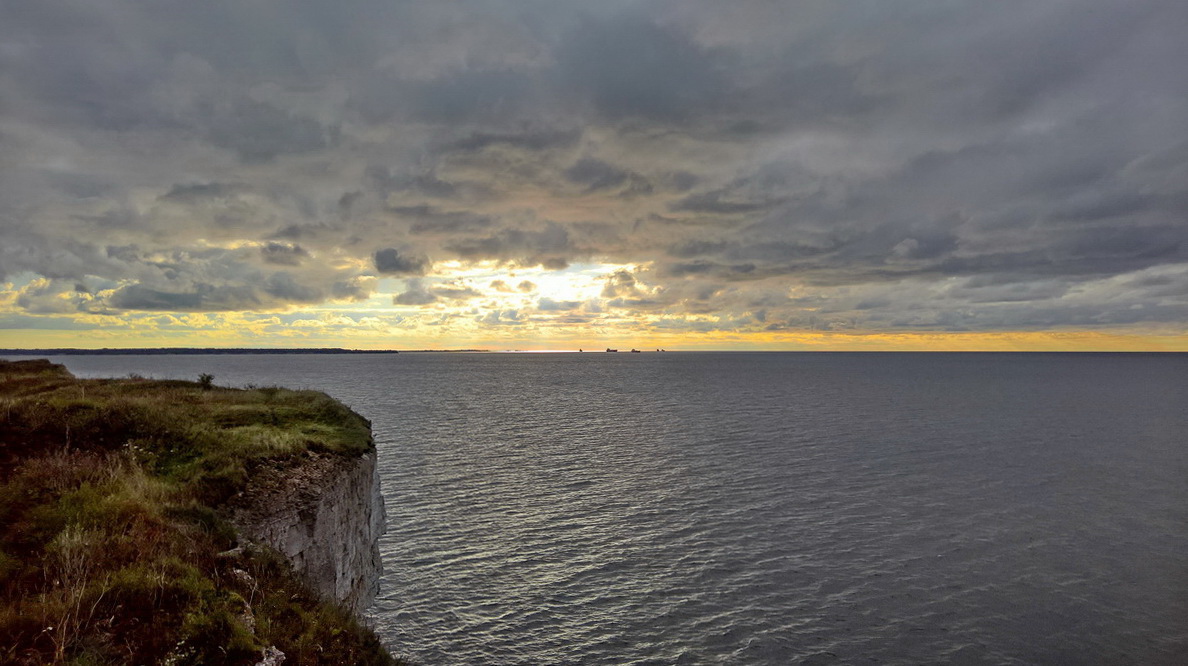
(188, 350)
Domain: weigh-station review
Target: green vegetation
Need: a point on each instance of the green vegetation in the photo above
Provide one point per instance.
(114, 547)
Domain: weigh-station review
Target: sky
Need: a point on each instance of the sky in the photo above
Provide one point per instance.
(692, 174)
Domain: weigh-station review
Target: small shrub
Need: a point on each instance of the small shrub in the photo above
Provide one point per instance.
(206, 381)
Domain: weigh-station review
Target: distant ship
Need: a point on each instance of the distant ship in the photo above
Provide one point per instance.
(634, 351)
(608, 349)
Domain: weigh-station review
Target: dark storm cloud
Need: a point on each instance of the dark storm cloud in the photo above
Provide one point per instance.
(921, 163)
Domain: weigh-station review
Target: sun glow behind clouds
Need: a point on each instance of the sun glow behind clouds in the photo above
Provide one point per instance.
(491, 305)
(578, 282)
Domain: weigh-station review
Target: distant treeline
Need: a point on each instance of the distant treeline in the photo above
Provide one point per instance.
(186, 350)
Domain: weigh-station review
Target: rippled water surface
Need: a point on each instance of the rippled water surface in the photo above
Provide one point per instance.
(767, 508)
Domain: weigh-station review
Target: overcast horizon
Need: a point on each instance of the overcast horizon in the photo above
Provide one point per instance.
(556, 175)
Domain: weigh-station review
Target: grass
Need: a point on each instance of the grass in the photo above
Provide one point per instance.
(114, 547)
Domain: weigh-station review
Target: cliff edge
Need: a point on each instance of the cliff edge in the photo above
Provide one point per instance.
(134, 515)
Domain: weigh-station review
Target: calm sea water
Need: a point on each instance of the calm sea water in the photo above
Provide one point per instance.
(767, 508)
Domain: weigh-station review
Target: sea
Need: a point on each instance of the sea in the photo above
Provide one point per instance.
(765, 508)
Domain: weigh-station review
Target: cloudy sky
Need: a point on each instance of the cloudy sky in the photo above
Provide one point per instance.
(827, 174)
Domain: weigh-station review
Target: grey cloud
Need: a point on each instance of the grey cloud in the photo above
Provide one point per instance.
(595, 174)
(807, 95)
(297, 231)
(696, 268)
(469, 96)
(197, 192)
(416, 294)
(681, 180)
(414, 298)
(390, 261)
(137, 297)
(455, 293)
(635, 303)
(429, 220)
(1019, 292)
(502, 318)
(712, 202)
(570, 319)
(347, 201)
(759, 191)
(532, 140)
(548, 246)
(260, 132)
(215, 279)
(353, 289)
(695, 248)
(525, 286)
(423, 183)
(629, 66)
(550, 305)
(53, 297)
(284, 254)
(283, 286)
(57, 258)
(620, 284)
(456, 98)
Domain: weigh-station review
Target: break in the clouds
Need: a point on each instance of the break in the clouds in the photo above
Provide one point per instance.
(753, 167)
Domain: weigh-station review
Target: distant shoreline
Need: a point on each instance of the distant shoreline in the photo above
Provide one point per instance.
(187, 350)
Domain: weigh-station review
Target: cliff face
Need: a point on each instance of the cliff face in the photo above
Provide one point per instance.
(325, 514)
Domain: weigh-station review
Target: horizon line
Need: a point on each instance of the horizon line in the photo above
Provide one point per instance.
(164, 351)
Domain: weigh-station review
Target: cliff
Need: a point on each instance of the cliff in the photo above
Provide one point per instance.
(132, 513)
(325, 515)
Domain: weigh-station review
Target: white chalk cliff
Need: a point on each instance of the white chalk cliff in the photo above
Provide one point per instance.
(324, 513)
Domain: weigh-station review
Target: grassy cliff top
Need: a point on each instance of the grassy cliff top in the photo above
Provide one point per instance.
(113, 536)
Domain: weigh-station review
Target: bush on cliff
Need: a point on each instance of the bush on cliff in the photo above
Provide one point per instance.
(113, 548)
